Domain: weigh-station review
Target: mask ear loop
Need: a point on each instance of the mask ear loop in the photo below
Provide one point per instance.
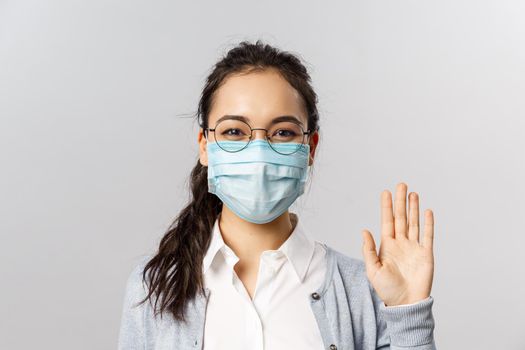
(206, 132)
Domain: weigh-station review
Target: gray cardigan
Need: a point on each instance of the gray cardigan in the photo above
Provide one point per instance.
(349, 313)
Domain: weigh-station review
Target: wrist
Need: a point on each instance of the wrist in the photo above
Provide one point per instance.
(407, 300)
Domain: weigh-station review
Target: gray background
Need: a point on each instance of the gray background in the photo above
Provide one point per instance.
(97, 141)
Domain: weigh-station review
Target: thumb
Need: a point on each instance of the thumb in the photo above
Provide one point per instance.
(371, 259)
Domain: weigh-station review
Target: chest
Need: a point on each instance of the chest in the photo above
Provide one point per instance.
(224, 317)
(275, 315)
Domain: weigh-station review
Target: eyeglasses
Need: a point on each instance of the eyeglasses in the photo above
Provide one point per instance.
(233, 135)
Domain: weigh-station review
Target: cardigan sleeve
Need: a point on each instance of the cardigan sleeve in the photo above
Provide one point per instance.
(404, 327)
(131, 332)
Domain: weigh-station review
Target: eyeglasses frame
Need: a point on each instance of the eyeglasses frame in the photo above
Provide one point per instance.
(307, 132)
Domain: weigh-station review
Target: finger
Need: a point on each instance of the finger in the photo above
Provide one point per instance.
(400, 211)
(428, 238)
(387, 218)
(413, 221)
(371, 259)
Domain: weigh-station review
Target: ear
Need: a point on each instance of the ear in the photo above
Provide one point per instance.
(313, 141)
(203, 154)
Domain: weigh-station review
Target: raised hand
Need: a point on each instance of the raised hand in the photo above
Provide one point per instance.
(402, 273)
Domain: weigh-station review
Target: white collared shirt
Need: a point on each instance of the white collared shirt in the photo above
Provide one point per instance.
(280, 316)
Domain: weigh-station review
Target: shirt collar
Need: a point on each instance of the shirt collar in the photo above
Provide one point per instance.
(298, 248)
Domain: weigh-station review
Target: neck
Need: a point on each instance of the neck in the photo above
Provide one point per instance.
(249, 240)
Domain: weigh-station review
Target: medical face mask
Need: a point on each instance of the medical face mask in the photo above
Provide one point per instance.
(257, 183)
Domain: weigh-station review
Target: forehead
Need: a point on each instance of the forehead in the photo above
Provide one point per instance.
(260, 96)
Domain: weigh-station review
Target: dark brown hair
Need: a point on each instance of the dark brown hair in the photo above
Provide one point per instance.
(175, 270)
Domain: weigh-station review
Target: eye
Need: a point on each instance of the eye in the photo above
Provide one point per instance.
(285, 133)
(232, 132)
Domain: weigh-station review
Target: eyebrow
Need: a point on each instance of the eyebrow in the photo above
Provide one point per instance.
(282, 118)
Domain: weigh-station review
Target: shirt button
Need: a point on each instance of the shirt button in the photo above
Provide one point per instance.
(333, 347)
(316, 296)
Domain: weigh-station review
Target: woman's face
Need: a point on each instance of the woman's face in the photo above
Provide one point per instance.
(260, 96)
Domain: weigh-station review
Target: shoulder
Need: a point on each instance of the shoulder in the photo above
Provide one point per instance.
(135, 286)
(351, 271)
(350, 268)
(133, 332)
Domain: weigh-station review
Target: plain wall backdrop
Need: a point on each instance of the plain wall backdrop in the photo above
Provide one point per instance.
(97, 140)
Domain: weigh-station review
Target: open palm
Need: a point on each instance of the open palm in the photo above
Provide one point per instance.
(403, 270)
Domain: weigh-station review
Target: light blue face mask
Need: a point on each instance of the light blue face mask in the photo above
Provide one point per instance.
(257, 183)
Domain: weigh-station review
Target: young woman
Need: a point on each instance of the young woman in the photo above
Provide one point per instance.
(237, 270)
